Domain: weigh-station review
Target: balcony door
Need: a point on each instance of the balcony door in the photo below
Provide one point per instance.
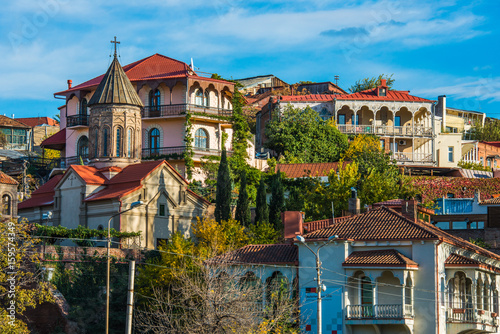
(154, 141)
(367, 297)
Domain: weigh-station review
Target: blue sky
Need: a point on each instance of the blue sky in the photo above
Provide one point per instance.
(446, 47)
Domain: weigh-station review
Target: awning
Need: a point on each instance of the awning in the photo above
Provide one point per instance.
(55, 142)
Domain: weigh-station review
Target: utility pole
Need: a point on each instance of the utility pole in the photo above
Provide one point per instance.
(320, 286)
(130, 298)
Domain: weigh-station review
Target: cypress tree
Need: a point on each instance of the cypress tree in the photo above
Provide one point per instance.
(262, 211)
(242, 207)
(277, 203)
(223, 193)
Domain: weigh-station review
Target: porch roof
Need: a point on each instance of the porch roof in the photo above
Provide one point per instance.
(379, 258)
(460, 261)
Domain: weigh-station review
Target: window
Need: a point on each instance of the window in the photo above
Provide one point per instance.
(129, 143)
(443, 225)
(450, 154)
(105, 142)
(341, 119)
(96, 146)
(489, 162)
(460, 225)
(6, 205)
(154, 141)
(382, 144)
(207, 99)
(482, 161)
(83, 147)
(118, 141)
(83, 107)
(397, 121)
(198, 97)
(355, 120)
(201, 138)
(477, 225)
(324, 114)
(161, 210)
(382, 92)
(154, 99)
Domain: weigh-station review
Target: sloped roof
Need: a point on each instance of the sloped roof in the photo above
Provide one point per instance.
(304, 170)
(308, 98)
(494, 200)
(89, 174)
(35, 121)
(11, 123)
(154, 67)
(260, 254)
(383, 257)
(43, 195)
(115, 88)
(457, 261)
(57, 141)
(6, 179)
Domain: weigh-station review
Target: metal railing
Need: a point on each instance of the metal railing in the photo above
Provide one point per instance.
(386, 130)
(412, 157)
(177, 152)
(182, 108)
(77, 120)
(379, 311)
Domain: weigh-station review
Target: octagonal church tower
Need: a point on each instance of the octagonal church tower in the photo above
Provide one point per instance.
(115, 120)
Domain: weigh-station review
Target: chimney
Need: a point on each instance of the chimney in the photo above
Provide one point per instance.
(354, 202)
(292, 223)
(409, 209)
(441, 110)
(70, 82)
(13, 116)
(383, 82)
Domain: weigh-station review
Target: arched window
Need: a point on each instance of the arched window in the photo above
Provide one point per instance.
(83, 107)
(206, 101)
(277, 289)
(198, 97)
(486, 297)
(96, 141)
(6, 205)
(154, 99)
(105, 142)
(83, 147)
(154, 141)
(201, 138)
(129, 142)
(118, 141)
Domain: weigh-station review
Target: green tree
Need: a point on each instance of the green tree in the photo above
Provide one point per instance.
(223, 193)
(489, 132)
(370, 83)
(277, 202)
(300, 135)
(261, 211)
(241, 134)
(242, 206)
(472, 165)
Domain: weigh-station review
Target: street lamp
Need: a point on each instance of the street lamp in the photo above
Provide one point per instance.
(321, 287)
(132, 206)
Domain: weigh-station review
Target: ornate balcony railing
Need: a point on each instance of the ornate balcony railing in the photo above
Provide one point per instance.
(415, 157)
(379, 311)
(385, 130)
(180, 109)
(77, 120)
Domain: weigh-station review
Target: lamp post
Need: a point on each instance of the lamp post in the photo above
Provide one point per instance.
(320, 287)
(132, 206)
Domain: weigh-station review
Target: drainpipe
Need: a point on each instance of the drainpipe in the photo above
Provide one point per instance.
(437, 284)
(433, 110)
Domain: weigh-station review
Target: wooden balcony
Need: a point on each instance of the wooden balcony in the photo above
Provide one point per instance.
(385, 130)
(181, 109)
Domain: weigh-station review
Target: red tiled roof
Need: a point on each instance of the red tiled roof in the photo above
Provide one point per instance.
(494, 200)
(304, 170)
(261, 254)
(11, 123)
(6, 179)
(56, 141)
(320, 224)
(89, 174)
(375, 258)
(154, 67)
(307, 98)
(391, 202)
(392, 95)
(35, 121)
(43, 195)
(457, 261)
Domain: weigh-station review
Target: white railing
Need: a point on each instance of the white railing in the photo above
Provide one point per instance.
(461, 314)
(383, 311)
(412, 157)
(387, 130)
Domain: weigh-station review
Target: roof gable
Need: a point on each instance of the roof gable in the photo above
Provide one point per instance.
(6, 179)
(11, 123)
(43, 195)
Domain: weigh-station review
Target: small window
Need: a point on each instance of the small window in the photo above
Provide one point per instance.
(129, 143)
(383, 92)
(6, 205)
(443, 225)
(201, 138)
(161, 210)
(118, 141)
(105, 142)
(450, 154)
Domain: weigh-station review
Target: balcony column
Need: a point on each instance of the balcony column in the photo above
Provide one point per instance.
(411, 297)
(375, 298)
(374, 121)
(354, 123)
(413, 136)
(403, 299)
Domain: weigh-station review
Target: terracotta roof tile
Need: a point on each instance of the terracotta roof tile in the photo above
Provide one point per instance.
(89, 174)
(261, 254)
(378, 224)
(320, 224)
(304, 170)
(11, 123)
(457, 261)
(56, 141)
(6, 179)
(43, 195)
(35, 121)
(494, 200)
(307, 98)
(392, 95)
(385, 257)
(153, 67)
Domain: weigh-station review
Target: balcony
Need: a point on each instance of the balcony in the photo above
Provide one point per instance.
(77, 121)
(385, 130)
(471, 319)
(181, 109)
(177, 153)
(412, 157)
(377, 311)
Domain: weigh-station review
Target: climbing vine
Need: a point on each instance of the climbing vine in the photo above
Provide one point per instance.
(188, 152)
